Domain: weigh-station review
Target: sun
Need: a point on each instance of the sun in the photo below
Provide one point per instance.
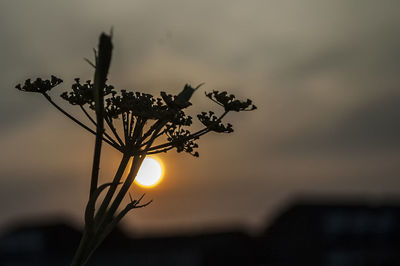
(150, 173)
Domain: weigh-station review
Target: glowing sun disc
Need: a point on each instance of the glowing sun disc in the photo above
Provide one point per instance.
(150, 173)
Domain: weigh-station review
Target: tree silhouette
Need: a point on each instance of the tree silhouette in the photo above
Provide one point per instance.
(144, 119)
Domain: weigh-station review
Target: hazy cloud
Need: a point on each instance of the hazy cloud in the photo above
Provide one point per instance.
(323, 74)
(370, 128)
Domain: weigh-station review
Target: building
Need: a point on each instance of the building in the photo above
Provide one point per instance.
(312, 232)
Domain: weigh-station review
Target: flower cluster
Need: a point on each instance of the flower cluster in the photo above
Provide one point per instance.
(139, 104)
(39, 85)
(181, 139)
(229, 102)
(213, 123)
(181, 119)
(82, 94)
(136, 109)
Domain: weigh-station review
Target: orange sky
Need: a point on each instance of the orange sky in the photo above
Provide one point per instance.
(324, 77)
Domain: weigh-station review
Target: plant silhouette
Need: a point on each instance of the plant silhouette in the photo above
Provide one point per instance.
(144, 120)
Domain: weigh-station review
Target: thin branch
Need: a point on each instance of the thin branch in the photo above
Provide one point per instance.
(154, 136)
(149, 132)
(143, 205)
(222, 116)
(128, 124)
(137, 132)
(68, 115)
(95, 54)
(95, 124)
(130, 197)
(161, 150)
(77, 121)
(191, 136)
(114, 131)
(88, 116)
(220, 104)
(171, 143)
(125, 126)
(134, 204)
(132, 121)
(90, 207)
(140, 199)
(89, 62)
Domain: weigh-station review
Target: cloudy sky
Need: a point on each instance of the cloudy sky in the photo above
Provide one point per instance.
(323, 74)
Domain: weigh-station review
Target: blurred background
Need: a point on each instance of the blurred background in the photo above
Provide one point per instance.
(324, 76)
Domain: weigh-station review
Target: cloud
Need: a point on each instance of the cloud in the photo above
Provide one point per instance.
(370, 127)
(324, 76)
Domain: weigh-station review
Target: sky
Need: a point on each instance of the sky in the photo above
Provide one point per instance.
(323, 74)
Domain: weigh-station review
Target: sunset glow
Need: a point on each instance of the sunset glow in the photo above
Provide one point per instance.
(150, 173)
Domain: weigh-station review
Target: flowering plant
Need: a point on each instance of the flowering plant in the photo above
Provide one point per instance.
(144, 119)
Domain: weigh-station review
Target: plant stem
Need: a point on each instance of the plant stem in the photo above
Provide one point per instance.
(81, 254)
(110, 193)
(89, 237)
(100, 76)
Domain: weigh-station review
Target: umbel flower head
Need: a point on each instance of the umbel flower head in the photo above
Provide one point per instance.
(39, 85)
(137, 110)
(229, 101)
(82, 94)
(213, 123)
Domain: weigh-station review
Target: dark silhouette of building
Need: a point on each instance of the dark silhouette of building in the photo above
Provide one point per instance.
(46, 244)
(328, 233)
(315, 232)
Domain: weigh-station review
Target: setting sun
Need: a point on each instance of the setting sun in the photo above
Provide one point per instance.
(150, 173)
